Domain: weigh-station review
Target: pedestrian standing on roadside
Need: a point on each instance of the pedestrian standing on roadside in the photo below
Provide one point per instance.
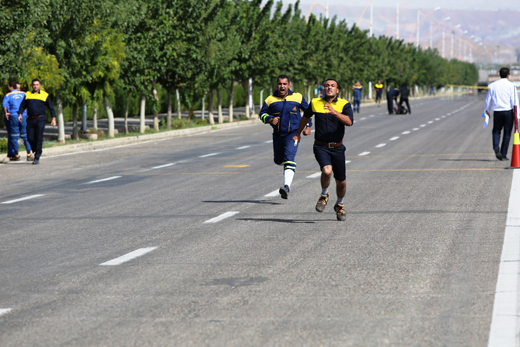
(282, 111)
(356, 93)
(379, 92)
(503, 95)
(35, 103)
(332, 115)
(17, 129)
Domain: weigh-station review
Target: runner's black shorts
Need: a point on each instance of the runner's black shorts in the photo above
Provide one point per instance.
(379, 94)
(334, 157)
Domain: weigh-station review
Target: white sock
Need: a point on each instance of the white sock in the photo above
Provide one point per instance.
(324, 191)
(288, 176)
(340, 201)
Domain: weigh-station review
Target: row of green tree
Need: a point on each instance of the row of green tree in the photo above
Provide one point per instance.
(83, 51)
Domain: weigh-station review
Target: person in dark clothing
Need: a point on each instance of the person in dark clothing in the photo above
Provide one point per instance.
(400, 109)
(36, 103)
(391, 95)
(405, 93)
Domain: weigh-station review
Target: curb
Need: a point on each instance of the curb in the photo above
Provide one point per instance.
(94, 145)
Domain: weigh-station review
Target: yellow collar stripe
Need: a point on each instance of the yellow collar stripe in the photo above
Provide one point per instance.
(297, 97)
(318, 105)
(36, 96)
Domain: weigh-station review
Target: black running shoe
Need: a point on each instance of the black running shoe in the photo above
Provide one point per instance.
(284, 191)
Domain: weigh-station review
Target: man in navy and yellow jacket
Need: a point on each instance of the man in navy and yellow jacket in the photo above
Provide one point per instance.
(36, 103)
(282, 111)
(332, 116)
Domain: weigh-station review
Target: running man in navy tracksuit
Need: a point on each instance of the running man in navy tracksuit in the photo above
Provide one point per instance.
(282, 111)
(356, 89)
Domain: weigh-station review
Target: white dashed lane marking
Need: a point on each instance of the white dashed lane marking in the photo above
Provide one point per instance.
(415, 129)
(394, 138)
(221, 217)
(405, 132)
(430, 122)
(104, 179)
(243, 147)
(314, 175)
(422, 125)
(208, 155)
(381, 145)
(129, 256)
(268, 141)
(4, 310)
(346, 162)
(364, 153)
(165, 165)
(437, 119)
(23, 199)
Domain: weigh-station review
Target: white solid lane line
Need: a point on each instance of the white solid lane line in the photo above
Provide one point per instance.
(243, 147)
(394, 138)
(4, 310)
(129, 256)
(364, 153)
(314, 175)
(208, 155)
(405, 132)
(503, 331)
(23, 199)
(381, 145)
(165, 165)
(221, 217)
(273, 193)
(104, 179)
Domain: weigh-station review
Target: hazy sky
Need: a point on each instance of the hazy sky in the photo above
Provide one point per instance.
(445, 4)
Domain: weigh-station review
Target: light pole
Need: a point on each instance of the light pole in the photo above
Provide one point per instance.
(432, 30)
(396, 18)
(419, 21)
(443, 36)
(371, 33)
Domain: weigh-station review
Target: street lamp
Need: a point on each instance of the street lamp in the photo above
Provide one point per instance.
(432, 30)
(397, 10)
(326, 7)
(419, 21)
(369, 22)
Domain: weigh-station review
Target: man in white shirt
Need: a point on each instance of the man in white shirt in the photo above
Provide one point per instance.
(503, 95)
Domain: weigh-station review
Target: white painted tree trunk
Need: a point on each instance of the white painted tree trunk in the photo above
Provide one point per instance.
(219, 97)
(246, 87)
(75, 133)
(110, 116)
(169, 114)
(178, 103)
(141, 114)
(231, 92)
(155, 109)
(94, 118)
(203, 106)
(61, 123)
(261, 99)
(211, 97)
(126, 111)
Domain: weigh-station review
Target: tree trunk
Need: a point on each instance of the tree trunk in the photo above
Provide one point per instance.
(309, 92)
(141, 115)
(210, 107)
(261, 99)
(178, 103)
(126, 111)
(230, 98)
(155, 108)
(110, 116)
(203, 110)
(245, 85)
(94, 118)
(75, 134)
(169, 114)
(61, 123)
(219, 99)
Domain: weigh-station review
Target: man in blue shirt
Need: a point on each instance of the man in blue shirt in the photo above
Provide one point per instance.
(332, 115)
(17, 129)
(356, 90)
(282, 111)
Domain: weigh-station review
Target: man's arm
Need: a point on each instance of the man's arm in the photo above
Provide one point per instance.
(346, 117)
(265, 117)
(49, 105)
(303, 122)
(488, 102)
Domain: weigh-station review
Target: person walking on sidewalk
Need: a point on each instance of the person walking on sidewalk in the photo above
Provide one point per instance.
(35, 103)
(379, 92)
(332, 115)
(282, 111)
(17, 129)
(504, 97)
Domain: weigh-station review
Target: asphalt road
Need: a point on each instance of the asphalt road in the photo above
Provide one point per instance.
(415, 264)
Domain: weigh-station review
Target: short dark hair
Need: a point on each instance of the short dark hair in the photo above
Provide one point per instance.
(283, 77)
(12, 84)
(504, 72)
(35, 80)
(331, 79)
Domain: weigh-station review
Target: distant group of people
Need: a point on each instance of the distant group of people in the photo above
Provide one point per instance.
(24, 117)
(404, 93)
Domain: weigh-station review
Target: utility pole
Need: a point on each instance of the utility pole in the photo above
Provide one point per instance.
(451, 50)
(417, 38)
(443, 37)
(431, 32)
(371, 19)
